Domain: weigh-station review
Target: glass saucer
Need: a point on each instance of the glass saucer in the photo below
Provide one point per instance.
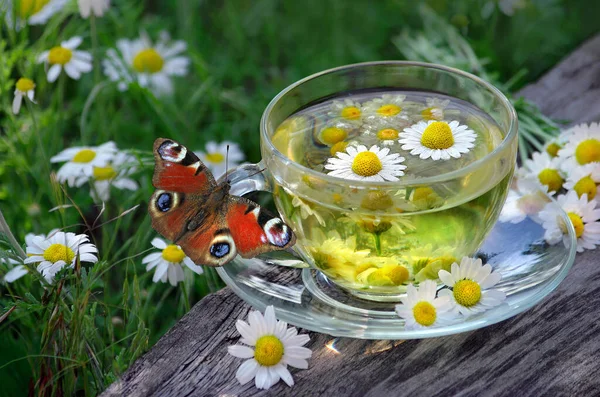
(530, 267)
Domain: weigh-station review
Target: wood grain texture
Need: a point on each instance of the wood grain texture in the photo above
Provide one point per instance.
(552, 349)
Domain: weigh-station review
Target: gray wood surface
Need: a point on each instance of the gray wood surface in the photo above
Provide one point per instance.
(552, 349)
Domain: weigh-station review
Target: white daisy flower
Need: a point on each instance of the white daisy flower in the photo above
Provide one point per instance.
(31, 12)
(374, 164)
(545, 169)
(216, 158)
(528, 198)
(113, 174)
(15, 272)
(168, 262)
(583, 145)
(59, 250)
(96, 7)
(24, 88)
(434, 109)
(584, 179)
(150, 65)
(387, 107)
(65, 56)
(81, 160)
(437, 139)
(421, 309)
(274, 346)
(385, 130)
(471, 282)
(583, 215)
(347, 110)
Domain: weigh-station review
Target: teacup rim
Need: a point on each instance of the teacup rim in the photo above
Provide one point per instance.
(507, 139)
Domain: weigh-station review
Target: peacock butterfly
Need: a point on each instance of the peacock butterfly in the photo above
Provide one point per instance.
(210, 225)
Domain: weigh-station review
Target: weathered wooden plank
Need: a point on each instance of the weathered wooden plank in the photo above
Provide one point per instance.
(570, 91)
(552, 349)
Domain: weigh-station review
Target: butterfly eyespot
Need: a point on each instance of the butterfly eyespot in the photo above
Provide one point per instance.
(278, 233)
(164, 202)
(219, 250)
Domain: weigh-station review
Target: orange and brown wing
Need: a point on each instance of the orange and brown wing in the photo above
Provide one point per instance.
(255, 230)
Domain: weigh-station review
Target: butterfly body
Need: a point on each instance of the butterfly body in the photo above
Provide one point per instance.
(211, 226)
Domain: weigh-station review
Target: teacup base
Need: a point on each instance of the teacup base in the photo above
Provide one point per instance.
(306, 298)
(323, 288)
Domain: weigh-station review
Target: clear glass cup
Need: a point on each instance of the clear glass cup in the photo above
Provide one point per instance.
(373, 238)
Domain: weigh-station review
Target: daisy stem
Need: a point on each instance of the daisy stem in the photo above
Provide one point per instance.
(86, 109)
(95, 48)
(5, 229)
(186, 298)
(36, 132)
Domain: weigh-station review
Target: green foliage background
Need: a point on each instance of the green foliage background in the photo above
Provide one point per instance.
(243, 53)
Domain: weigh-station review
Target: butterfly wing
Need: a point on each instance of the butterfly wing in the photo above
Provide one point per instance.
(255, 230)
(182, 181)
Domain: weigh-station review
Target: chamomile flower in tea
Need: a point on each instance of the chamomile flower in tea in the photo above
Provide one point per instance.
(380, 138)
(387, 107)
(66, 57)
(435, 109)
(582, 213)
(360, 163)
(437, 140)
(149, 64)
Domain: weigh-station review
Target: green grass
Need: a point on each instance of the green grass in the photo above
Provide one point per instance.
(79, 335)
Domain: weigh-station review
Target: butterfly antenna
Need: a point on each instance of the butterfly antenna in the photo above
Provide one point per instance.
(227, 164)
(257, 172)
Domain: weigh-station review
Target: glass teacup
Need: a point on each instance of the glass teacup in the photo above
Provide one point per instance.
(374, 238)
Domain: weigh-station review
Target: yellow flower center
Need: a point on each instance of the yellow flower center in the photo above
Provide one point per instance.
(338, 147)
(586, 185)
(366, 164)
(430, 113)
(387, 134)
(437, 135)
(84, 156)
(390, 275)
(104, 173)
(424, 313)
(577, 223)
(376, 200)
(467, 293)
(215, 157)
(268, 350)
(351, 113)
(588, 151)
(173, 254)
(389, 110)
(30, 7)
(59, 252)
(24, 84)
(553, 149)
(333, 135)
(422, 193)
(148, 61)
(59, 55)
(337, 198)
(551, 178)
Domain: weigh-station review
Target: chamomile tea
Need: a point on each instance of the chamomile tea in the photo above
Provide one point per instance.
(411, 218)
